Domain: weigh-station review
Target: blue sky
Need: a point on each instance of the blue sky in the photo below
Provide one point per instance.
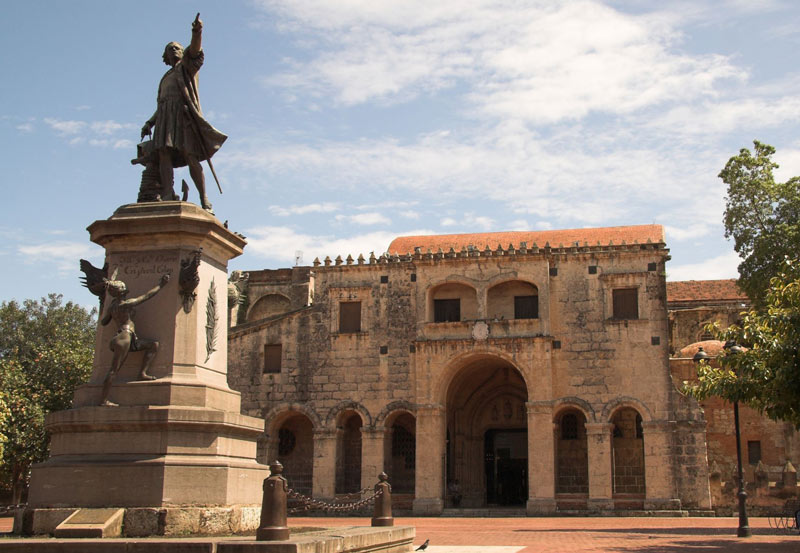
(351, 122)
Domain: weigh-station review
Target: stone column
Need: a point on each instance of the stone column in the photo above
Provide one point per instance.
(658, 469)
(372, 452)
(324, 485)
(541, 459)
(429, 488)
(598, 438)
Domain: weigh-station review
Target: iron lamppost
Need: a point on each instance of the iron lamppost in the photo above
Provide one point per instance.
(744, 525)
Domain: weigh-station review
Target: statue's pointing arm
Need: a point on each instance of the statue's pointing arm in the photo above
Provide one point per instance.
(197, 37)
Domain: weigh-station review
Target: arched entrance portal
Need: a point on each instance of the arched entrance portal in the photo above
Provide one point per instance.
(487, 435)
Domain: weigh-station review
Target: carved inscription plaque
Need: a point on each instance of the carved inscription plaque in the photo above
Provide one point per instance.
(135, 265)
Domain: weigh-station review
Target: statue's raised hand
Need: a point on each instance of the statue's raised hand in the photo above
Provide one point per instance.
(197, 25)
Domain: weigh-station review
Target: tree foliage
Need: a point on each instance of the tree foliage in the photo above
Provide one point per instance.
(46, 351)
(762, 216)
(766, 375)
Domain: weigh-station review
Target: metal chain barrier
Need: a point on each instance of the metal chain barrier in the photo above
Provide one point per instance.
(309, 503)
(274, 505)
(6, 510)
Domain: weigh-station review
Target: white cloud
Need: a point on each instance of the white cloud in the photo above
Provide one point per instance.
(714, 118)
(372, 218)
(63, 254)
(94, 133)
(789, 161)
(110, 127)
(691, 231)
(280, 243)
(65, 128)
(469, 222)
(542, 61)
(281, 211)
(719, 267)
(25, 127)
(560, 178)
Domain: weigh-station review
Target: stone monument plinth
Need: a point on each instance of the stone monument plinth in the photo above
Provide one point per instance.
(179, 441)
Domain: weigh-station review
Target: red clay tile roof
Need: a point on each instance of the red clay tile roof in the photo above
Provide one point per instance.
(566, 237)
(712, 347)
(704, 290)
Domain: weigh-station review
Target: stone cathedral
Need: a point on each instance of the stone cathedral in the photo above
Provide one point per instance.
(499, 370)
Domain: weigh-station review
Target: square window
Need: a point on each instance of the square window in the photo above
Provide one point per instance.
(350, 316)
(384, 279)
(592, 269)
(526, 307)
(753, 452)
(626, 303)
(446, 311)
(272, 358)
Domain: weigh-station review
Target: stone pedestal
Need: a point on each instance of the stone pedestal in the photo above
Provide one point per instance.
(179, 440)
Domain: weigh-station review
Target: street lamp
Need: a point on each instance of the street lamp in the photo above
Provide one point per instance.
(744, 525)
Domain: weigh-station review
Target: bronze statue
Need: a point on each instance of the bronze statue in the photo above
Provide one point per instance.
(181, 135)
(121, 310)
(95, 279)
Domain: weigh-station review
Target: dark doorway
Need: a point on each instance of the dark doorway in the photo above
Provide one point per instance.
(506, 465)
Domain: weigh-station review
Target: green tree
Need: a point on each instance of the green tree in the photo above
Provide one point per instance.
(766, 375)
(762, 216)
(46, 351)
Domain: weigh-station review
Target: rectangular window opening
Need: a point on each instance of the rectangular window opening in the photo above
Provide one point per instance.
(626, 303)
(350, 316)
(272, 358)
(446, 311)
(753, 452)
(526, 307)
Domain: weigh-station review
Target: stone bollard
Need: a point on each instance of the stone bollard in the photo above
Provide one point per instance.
(761, 476)
(789, 476)
(273, 507)
(382, 515)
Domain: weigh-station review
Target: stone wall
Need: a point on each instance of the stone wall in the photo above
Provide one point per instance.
(486, 371)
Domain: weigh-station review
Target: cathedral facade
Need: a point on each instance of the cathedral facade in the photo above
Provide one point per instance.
(525, 369)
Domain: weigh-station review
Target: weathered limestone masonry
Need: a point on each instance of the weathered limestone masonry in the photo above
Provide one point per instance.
(770, 449)
(520, 368)
(176, 452)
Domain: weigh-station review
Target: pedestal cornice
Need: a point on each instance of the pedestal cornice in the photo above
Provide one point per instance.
(165, 224)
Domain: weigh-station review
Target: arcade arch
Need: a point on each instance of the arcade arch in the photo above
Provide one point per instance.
(514, 299)
(572, 454)
(400, 450)
(292, 443)
(628, 452)
(348, 452)
(487, 435)
(452, 302)
(269, 306)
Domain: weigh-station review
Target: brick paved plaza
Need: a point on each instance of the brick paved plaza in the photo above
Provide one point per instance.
(580, 535)
(550, 535)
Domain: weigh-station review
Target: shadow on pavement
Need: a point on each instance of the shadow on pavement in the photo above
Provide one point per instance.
(715, 546)
(674, 531)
